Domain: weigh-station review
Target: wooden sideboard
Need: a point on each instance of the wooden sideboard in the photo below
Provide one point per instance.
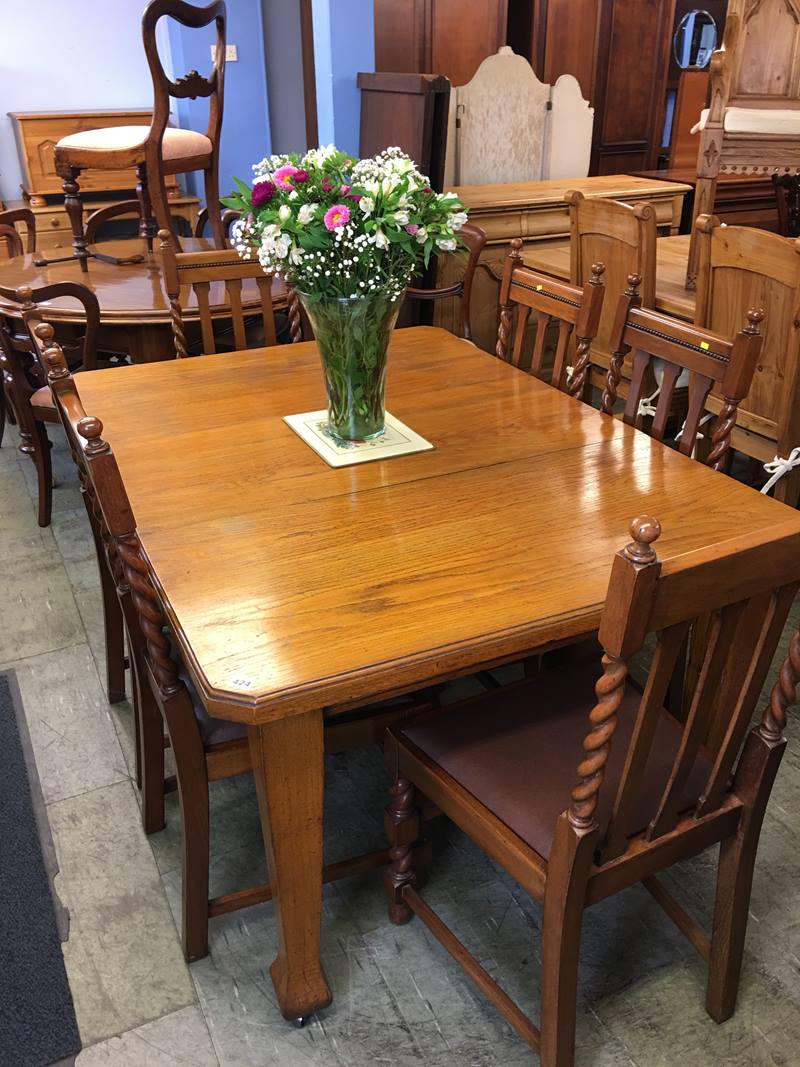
(38, 132)
(52, 225)
(741, 199)
(536, 211)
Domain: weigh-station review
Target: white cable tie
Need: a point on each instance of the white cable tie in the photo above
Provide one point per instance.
(646, 406)
(698, 436)
(780, 466)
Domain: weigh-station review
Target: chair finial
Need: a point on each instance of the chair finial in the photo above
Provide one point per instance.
(598, 270)
(644, 531)
(755, 316)
(44, 331)
(90, 428)
(516, 247)
(634, 281)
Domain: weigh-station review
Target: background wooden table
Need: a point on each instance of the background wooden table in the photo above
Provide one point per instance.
(291, 585)
(134, 310)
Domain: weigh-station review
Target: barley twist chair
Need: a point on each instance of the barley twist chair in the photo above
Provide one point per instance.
(677, 347)
(206, 749)
(159, 149)
(574, 311)
(646, 793)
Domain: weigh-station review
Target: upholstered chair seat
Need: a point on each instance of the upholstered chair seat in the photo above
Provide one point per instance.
(177, 144)
(781, 121)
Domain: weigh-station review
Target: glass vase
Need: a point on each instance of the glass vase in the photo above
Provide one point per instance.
(352, 335)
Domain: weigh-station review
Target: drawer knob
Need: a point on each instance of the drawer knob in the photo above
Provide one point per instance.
(55, 223)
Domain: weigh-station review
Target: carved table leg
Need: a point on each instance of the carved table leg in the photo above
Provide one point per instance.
(288, 768)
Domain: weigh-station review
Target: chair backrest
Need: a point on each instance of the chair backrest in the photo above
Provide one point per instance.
(112, 516)
(474, 239)
(575, 310)
(202, 269)
(84, 351)
(189, 86)
(742, 267)
(693, 86)
(748, 589)
(620, 236)
(666, 347)
(759, 62)
(19, 214)
(228, 217)
(98, 219)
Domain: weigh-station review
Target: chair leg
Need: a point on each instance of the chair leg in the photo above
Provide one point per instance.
(74, 209)
(150, 745)
(160, 204)
(704, 194)
(3, 408)
(147, 223)
(757, 769)
(568, 870)
(788, 488)
(115, 635)
(192, 775)
(211, 187)
(40, 454)
(403, 825)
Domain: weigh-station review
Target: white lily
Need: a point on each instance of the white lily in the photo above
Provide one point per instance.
(284, 213)
(367, 205)
(447, 244)
(307, 213)
(381, 240)
(421, 235)
(401, 218)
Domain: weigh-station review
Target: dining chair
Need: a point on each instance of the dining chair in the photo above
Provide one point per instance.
(787, 203)
(668, 350)
(156, 150)
(228, 217)
(205, 748)
(100, 218)
(44, 410)
(739, 267)
(623, 238)
(25, 388)
(220, 268)
(573, 311)
(474, 240)
(577, 808)
(15, 247)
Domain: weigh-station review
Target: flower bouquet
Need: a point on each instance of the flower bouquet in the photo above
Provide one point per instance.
(348, 236)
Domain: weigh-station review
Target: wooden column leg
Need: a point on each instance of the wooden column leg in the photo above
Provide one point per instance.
(150, 747)
(754, 778)
(568, 870)
(160, 201)
(289, 773)
(74, 209)
(211, 187)
(44, 472)
(147, 223)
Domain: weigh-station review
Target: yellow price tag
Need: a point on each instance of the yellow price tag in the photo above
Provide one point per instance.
(705, 345)
(539, 288)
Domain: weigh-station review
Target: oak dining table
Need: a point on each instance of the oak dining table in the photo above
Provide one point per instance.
(290, 585)
(134, 308)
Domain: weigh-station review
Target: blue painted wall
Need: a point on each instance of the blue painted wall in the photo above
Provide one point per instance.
(344, 45)
(245, 123)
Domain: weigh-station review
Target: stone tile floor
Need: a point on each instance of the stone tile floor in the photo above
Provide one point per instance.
(400, 1001)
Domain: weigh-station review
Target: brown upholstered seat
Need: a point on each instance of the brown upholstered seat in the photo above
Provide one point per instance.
(43, 406)
(514, 749)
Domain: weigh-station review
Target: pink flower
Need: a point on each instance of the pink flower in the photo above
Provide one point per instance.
(354, 196)
(301, 176)
(337, 216)
(283, 177)
(411, 228)
(345, 190)
(263, 192)
(327, 185)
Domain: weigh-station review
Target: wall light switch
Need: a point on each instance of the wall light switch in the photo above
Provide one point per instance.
(231, 53)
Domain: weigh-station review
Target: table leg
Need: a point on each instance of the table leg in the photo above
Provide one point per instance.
(288, 768)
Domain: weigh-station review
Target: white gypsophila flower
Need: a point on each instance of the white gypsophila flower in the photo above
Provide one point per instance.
(421, 235)
(367, 205)
(401, 218)
(381, 240)
(307, 213)
(284, 213)
(458, 220)
(447, 244)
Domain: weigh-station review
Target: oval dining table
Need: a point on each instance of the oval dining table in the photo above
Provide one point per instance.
(134, 309)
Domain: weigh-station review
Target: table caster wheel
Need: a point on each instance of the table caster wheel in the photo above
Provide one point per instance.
(300, 1021)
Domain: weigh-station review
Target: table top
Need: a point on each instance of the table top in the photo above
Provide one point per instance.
(672, 253)
(127, 295)
(552, 191)
(292, 585)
